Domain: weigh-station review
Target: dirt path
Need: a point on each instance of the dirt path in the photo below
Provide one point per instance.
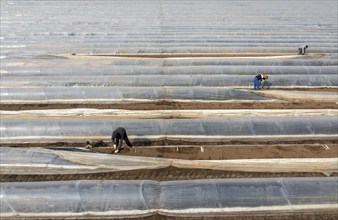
(170, 173)
(312, 147)
(228, 152)
(162, 105)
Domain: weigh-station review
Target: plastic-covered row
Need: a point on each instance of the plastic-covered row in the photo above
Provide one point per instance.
(35, 161)
(157, 49)
(123, 94)
(80, 64)
(167, 27)
(295, 75)
(194, 197)
(206, 127)
(166, 80)
(63, 64)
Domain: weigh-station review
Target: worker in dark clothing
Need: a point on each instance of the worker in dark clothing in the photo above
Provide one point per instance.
(301, 49)
(119, 135)
(259, 81)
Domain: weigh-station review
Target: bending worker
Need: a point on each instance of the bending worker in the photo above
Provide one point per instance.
(301, 49)
(259, 81)
(119, 135)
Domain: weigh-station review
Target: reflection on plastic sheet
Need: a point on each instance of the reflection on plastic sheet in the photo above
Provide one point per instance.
(190, 196)
(248, 126)
(115, 94)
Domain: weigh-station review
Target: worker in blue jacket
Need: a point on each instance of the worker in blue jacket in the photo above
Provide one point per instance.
(119, 135)
(259, 81)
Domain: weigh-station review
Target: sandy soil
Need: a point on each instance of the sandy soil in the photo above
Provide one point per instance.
(177, 105)
(141, 143)
(163, 174)
(225, 152)
(181, 55)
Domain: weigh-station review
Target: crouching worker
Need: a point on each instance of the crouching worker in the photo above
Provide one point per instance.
(259, 81)
(119, 135)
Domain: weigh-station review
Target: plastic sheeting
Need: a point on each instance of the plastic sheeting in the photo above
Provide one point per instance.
(261, 40)
(287, 71)
(153, 114)
(194, 197)
(206, 128)
(167, 27)
(123, 94)
(23, 161)
(166, 80)
(87, 66)
(31, 156)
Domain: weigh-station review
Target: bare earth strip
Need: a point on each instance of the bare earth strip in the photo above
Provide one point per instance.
(160, 105)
